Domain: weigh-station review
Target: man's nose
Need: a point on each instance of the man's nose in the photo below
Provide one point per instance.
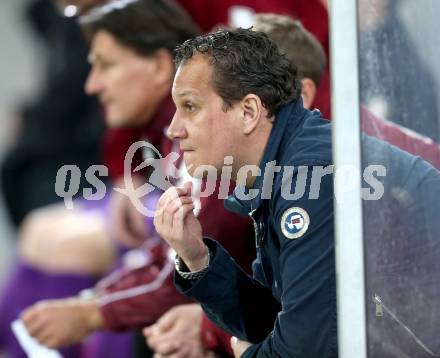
(176, 130)
(93, 84)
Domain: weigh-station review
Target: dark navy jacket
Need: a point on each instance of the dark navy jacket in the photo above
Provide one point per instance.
(288, 308)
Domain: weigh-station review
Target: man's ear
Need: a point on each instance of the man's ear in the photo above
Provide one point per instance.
(308, 92)
(252, 109)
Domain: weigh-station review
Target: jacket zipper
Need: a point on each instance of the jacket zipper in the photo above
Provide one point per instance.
(256, 229)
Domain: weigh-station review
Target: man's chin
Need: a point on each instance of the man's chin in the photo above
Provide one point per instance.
(118, 122)
(193, 166)
(115, 122)
(197, 170)
(189, 162)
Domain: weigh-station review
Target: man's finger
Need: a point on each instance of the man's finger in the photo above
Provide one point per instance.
(187, 351)
(166, 222)
(44, 336)
(151, 342)
(235, 347)
(179, 218)
(178, 203)
(160, 218)
(183, 351)
(28, 315)
(173, 193)
(170, 195)
(162, 339)
(175, 209)
(148, 331)
(53, 342)
(239, 347)
(33, 321)
(189, 187)
(167, 347)
(167, 321)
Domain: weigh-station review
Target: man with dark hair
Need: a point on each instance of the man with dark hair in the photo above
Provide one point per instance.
(237, 96)
(288, 307)
(301, 48)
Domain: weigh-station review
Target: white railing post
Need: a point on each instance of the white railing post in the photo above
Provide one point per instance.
(347, 152)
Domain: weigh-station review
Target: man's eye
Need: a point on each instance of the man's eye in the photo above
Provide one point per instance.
(188, 107)
(105, 65)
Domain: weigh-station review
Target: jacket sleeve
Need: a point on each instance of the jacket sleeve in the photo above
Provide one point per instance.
(131, 298)
(306, 325)
(231, 298)
(140, 299)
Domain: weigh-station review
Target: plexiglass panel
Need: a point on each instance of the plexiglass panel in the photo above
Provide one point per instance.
(399, 73)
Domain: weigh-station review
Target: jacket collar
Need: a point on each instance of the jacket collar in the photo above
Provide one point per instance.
(286, 123)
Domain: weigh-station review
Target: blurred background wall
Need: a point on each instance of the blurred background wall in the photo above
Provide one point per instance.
(21, 58)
